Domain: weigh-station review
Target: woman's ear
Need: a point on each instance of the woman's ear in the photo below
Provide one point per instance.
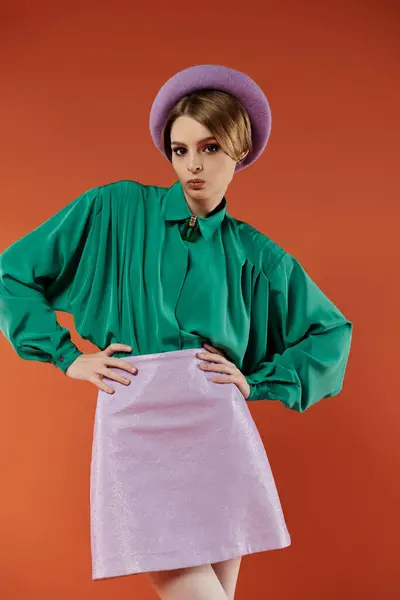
(243, 156)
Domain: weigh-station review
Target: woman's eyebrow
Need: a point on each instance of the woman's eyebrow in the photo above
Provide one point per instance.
(206, 139)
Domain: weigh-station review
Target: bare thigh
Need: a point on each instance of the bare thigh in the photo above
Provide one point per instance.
(197, 583)
(227, 572)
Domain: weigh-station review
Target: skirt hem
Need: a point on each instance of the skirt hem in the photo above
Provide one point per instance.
(176, 561)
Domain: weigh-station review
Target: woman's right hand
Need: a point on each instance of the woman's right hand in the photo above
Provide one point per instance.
(93, 367)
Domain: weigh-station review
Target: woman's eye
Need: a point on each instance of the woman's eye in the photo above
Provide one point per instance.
(213, 146)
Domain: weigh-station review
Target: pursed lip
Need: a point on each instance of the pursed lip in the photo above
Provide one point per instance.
(196, 181)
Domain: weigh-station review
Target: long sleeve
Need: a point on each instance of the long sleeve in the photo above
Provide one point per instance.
(33, 270)
(308, 341)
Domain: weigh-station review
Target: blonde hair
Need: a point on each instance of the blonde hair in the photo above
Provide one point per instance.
(219, 112)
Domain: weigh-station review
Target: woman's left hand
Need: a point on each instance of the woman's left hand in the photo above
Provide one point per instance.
(233, 375)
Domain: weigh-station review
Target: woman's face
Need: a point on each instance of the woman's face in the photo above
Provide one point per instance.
(196, 157)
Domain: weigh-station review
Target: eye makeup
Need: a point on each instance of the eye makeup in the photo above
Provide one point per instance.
(175, 149)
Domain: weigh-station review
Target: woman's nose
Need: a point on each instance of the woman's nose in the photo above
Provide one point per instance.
(195, 163)
(195, 166)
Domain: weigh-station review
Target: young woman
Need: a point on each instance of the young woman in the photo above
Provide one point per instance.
(181, 485)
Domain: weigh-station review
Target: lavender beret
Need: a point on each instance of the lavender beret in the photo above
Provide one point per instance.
(217, 77)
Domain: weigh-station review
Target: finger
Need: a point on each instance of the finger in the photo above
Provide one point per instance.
(213, 356)
(120, 363)
(109, 374)
(219, 368)
(117, 348)
(223, 379)
(213, 349)
(106, 389)
(103, 386)
(216, 358)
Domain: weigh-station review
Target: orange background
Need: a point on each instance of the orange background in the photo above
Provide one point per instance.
(77, 85)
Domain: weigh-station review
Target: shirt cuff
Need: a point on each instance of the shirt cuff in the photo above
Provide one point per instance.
(65, 357)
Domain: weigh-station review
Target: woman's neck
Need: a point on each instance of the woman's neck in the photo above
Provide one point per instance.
(202, 208)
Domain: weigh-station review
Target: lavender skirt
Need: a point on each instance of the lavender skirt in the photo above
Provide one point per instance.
(179, 473)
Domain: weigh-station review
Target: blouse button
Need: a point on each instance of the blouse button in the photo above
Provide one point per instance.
(61, 359)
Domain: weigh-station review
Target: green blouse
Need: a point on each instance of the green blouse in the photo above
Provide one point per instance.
(118, 260)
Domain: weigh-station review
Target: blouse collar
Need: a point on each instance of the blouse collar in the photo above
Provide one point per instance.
(177, 209)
